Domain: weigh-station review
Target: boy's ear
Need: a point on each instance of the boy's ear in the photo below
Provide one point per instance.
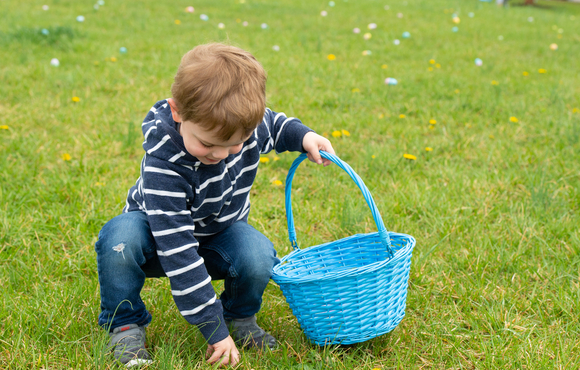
(174, 113)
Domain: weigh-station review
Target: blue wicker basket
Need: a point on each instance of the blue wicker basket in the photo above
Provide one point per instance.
(350, 290)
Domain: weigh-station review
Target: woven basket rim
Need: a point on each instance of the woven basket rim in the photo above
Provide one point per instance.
(280, 277)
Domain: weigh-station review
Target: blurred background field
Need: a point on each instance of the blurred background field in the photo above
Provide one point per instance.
(492, 196)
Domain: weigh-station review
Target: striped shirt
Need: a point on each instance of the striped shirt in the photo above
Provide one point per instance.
(184, 198)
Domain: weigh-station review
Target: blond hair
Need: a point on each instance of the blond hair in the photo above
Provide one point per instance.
(220, 86)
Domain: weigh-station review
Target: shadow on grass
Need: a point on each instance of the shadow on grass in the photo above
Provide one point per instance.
(535, 5)
(543, 5)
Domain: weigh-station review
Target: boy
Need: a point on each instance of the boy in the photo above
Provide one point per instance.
(186, 217)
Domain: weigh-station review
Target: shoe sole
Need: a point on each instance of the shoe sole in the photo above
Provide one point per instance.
(138, 362)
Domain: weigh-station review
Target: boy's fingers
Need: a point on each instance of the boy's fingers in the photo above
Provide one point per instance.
(225, 358)
(327, 147)
(316, 158)
(235, 358)
(330, 150)
(215, 356)
(229, 358)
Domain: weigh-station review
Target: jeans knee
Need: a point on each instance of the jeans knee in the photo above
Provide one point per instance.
(125, 236)
(258, 267)
(250, 255)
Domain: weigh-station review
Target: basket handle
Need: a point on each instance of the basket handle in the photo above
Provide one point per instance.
(383, 233)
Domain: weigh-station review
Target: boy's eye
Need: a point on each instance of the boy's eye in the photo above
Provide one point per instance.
(206, 146)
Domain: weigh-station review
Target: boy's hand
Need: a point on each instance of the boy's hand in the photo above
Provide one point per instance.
(313, 143)
(224, 352)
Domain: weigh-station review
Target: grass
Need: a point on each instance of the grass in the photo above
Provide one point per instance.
(494, 206)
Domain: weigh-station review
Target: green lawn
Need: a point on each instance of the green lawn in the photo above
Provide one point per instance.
(494, 205)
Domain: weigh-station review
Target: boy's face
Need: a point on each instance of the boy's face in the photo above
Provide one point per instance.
(206, 145)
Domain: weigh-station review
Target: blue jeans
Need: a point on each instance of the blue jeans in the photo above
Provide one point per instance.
(126, 255)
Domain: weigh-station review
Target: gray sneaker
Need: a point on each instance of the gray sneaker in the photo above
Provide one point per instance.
(128, 342)
(248, 334)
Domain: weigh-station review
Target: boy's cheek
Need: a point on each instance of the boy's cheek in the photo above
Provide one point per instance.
(236, 149)
(192, 148)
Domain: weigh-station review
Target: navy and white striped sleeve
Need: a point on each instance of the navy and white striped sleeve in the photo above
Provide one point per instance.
(281, 133)
(166, 193)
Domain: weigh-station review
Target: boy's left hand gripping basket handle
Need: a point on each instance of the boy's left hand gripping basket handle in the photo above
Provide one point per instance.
(383, 233)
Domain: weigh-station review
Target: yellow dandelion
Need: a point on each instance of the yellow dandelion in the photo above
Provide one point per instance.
(177, 21)
(430, 69)
(238, 20)
(96, 62)
(526, 73)
(432, 122)
(428, 149)
(113, 59)
(276, 158)
(384, 66)
(432, 61)
(373, 156)
(336, 133)
(402, 116)
(331, 57)
(513, 119)
(66, 157)
(431, 127)
(575, 110)
(438, 65)
(381, 116)
(277, 183)
(491, 137)
(494, 83)
(76, 99)
(99, 184)
(355, 90)
(3, 127)
(542, 70)
(345, 133)
(264, 159)
(409, 156)
(457, 91)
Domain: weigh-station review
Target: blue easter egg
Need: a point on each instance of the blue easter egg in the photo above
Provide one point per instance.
(455, 29)
(406, 35)
(123, 50)
(44, 31)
